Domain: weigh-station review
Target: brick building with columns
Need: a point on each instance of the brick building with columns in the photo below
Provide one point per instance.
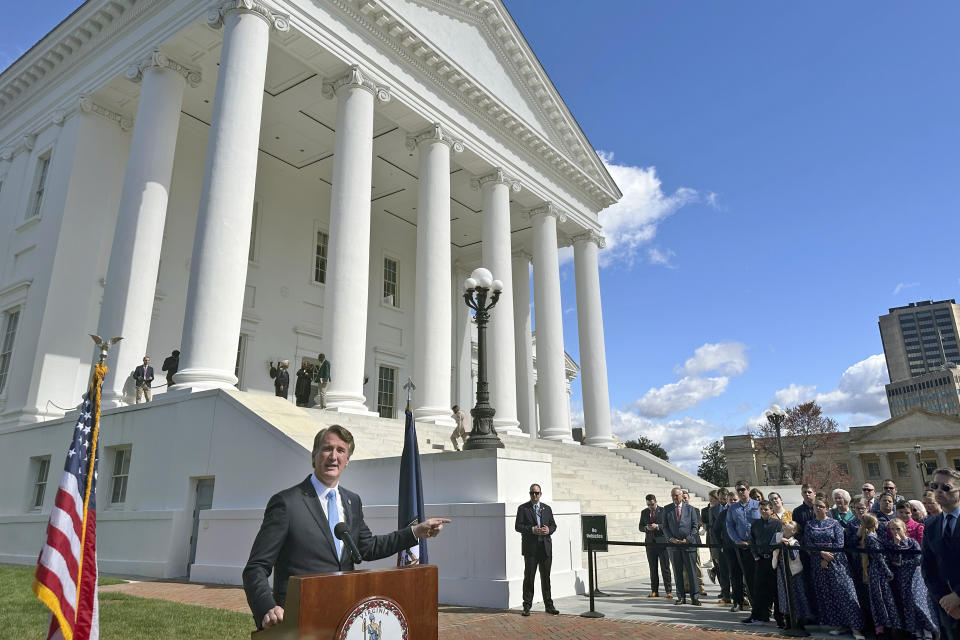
(864, 454)
(250, 181)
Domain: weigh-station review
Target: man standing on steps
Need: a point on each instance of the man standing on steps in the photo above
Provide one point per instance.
(681, 523)
(323, 379)
(535, 524)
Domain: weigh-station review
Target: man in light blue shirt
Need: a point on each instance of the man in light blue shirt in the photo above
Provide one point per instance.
(740, 515)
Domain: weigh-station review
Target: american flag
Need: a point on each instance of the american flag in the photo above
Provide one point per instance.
(66, 576)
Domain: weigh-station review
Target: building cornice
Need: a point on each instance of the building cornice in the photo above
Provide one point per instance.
(421, 54)
(66, 45)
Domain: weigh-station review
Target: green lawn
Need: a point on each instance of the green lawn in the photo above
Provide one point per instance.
(122, 617)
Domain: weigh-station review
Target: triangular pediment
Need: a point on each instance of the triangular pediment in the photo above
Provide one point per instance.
(475, 48)
(910, 426)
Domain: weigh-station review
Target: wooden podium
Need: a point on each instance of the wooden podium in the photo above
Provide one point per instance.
(337, 606)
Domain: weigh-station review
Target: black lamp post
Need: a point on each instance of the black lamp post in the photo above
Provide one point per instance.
(921, 467)
(476, 289)
(775, 416)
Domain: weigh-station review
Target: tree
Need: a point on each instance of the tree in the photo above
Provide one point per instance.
(804, 431)
(643, 443)
(713, 465)
(826, 476)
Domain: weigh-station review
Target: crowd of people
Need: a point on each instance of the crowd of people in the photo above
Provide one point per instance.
(879, 564)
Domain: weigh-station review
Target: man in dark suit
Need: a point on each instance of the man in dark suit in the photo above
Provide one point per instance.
(296, 536)
(143, 378)
(681, 523)
(651, 523)
(535, 524)
(323, 379)
(941, 552)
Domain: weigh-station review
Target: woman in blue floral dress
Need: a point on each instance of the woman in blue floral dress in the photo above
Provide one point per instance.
(836, 597)
(877, 576)
(909, 588)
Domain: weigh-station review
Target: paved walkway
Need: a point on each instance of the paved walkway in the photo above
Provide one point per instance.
(629, 614)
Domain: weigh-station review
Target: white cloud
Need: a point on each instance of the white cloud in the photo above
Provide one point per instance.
(904, 285)
(683, 439)
(686, 393)
(632, 222)
(727, 358)
(656, 256)
(859, 397)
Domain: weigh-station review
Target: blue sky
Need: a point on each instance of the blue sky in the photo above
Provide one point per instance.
(789, 173)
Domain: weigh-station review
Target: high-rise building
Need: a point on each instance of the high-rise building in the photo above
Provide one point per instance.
(920, 346)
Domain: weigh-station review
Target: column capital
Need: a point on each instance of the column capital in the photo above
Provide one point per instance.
(355, 77)
(522, 254)
(434, 133)
(87, 105)
(548, 209)
(217, 14)
(157, 59)
(590, 235)
(497, 176)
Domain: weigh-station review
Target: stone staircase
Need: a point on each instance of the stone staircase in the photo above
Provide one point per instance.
(600, 480)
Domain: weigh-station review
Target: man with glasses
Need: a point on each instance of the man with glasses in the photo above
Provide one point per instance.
(889, 486)
(941, 552)
(869, 493)
(535, 524)
(740, 517)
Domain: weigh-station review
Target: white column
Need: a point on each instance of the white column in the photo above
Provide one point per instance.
(135, 255)
(885, 472)
(348, 260)
(523, 344)
(593, 353)
(942, 459)
(218, 268)
(856, 470)
(433, 312)
(501, 364)
(551, 379)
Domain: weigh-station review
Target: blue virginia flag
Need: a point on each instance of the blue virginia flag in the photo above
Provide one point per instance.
(410, 502)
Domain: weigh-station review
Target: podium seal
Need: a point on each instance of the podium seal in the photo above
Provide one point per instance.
(375, 618)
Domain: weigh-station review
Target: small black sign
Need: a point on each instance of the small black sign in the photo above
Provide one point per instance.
(594, 527)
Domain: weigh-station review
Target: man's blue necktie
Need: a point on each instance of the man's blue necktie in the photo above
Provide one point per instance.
(333, 517)
(948, 525)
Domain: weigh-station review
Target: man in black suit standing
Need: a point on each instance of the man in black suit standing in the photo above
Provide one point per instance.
(143, 378)
(681, 523)
(651, 523)
(535, 524)
(297, 537)
(941, 552)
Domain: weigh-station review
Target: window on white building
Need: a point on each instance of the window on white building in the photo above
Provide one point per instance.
(386, 392)
(121, 472)
(873, 469)
(320, 257)
(41, 467)
(39, 185)
(391, 295)
(11, 321)
(903, 469)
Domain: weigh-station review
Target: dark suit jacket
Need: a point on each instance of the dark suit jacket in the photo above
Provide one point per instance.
(296, 539)
(689, 525)
(527, 520)
(141, 377)
(941, 558)
(657, 519)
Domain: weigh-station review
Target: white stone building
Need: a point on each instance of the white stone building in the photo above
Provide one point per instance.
(250, 181)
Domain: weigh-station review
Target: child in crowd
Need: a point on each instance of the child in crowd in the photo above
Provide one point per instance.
(908, 587)
(875, 573)
(788, 560)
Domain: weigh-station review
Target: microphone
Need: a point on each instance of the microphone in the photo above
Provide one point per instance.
(343, 534)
